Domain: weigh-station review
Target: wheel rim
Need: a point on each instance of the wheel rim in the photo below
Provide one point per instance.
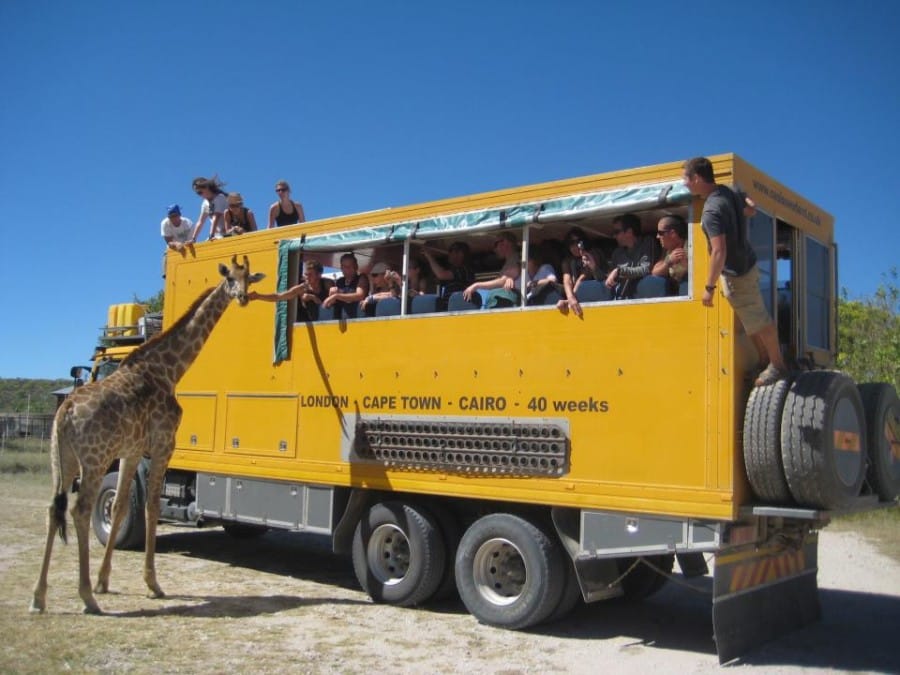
(388, 553)
(104, 506)
(847, 438)
(499, 571)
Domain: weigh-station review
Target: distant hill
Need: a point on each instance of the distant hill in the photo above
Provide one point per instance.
(21, 395)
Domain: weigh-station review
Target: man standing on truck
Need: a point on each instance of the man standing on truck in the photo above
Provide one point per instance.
(733, 259)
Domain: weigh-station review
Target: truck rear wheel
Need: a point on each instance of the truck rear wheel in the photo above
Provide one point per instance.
(399, 555)
(131, 531)
(762, 443)
(883, 425)
(823, 440)
(509, 572)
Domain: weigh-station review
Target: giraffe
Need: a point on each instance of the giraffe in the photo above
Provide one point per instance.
(131, 414)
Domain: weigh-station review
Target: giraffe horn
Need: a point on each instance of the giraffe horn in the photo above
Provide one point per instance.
(234, 260)
(246, 263)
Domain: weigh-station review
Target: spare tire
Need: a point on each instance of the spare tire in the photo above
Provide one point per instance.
(883, 424)
(823, 440)
(762, 443)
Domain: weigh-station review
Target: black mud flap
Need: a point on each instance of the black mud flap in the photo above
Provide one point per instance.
(760, 595)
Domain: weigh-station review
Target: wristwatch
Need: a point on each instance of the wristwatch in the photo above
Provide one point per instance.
(711, 289)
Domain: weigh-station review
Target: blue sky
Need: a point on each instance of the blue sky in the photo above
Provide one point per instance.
(111, 108)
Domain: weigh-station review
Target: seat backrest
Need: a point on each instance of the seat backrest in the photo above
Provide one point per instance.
(459, 304)
(552, 297)
(388, 307)
(684, 287)
(424, 304)
(592, 291)
(651, 287)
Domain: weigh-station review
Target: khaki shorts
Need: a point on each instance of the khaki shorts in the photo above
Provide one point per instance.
(745, 298)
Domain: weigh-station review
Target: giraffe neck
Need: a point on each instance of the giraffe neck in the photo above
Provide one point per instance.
(177, 348)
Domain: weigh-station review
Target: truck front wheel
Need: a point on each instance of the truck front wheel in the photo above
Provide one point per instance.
(131, 532)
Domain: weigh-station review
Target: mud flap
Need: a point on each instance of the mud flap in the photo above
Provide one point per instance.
(760, 595)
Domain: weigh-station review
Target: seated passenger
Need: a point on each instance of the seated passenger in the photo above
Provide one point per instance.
(457, 276)
(506, 247)
(311, 292)
(349, 289)
(418, 280)
(672, 233)
(631, 260)
(583, 262)
(385, 283)
(540, 277)
(238, 219)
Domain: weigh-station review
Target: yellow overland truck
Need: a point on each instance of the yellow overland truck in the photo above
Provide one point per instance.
(528, 457)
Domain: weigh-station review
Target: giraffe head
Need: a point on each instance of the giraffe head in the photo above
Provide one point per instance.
(238, 279)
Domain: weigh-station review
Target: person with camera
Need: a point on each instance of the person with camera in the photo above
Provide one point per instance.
(583, 262)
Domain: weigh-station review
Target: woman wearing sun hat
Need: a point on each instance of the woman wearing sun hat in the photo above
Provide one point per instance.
(238, 219)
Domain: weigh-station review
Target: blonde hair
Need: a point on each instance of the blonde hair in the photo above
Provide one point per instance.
(235, 198)
(284, 184)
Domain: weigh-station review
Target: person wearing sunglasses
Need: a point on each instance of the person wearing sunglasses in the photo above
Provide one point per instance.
(671, 232)
(238, 219)
(213, 207)
(285, 211)
(632, 257)
(583, 263)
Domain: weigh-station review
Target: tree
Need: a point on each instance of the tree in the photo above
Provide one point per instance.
(869, 334)
(155, 302)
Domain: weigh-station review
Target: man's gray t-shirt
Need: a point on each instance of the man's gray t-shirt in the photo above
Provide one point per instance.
(721, 216)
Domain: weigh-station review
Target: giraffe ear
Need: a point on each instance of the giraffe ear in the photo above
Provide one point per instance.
(259, 276)
(224, 271)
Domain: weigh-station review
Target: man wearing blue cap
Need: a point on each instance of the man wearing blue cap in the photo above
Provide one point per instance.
(176, 229)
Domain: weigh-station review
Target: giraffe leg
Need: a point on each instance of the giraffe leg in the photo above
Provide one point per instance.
(154, 488)
(127, 467)
(64, 468)
(81, 515)
(39, 601)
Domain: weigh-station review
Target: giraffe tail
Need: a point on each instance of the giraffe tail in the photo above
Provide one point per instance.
(58, 515)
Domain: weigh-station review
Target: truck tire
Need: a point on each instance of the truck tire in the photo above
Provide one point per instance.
(509, 572)
(762, 443)
(131, 532)
(644, 581)
(398, 554)
(571, 594)
(449, 527)
(823, 440)
(883, 425)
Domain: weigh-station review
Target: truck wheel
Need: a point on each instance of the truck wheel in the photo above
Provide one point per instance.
(571, 593)
(644, 581)
(398, 554)
(243, 530)
(131, 532)
(883, 425)
(823, 440)
(509, 572)
(449, 526)
(762, 443)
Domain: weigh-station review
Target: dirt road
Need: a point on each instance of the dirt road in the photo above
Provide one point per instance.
(285, 602)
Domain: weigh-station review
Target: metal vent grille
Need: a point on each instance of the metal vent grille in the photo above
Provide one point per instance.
(485, 446)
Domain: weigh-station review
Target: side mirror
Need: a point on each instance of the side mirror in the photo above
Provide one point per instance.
(79, 373)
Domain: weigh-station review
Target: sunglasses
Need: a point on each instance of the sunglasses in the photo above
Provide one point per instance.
(618, 231)
(281, 189)
(663, 233)
(238, 205)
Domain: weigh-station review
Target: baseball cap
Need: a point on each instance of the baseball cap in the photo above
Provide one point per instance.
(174, 210)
